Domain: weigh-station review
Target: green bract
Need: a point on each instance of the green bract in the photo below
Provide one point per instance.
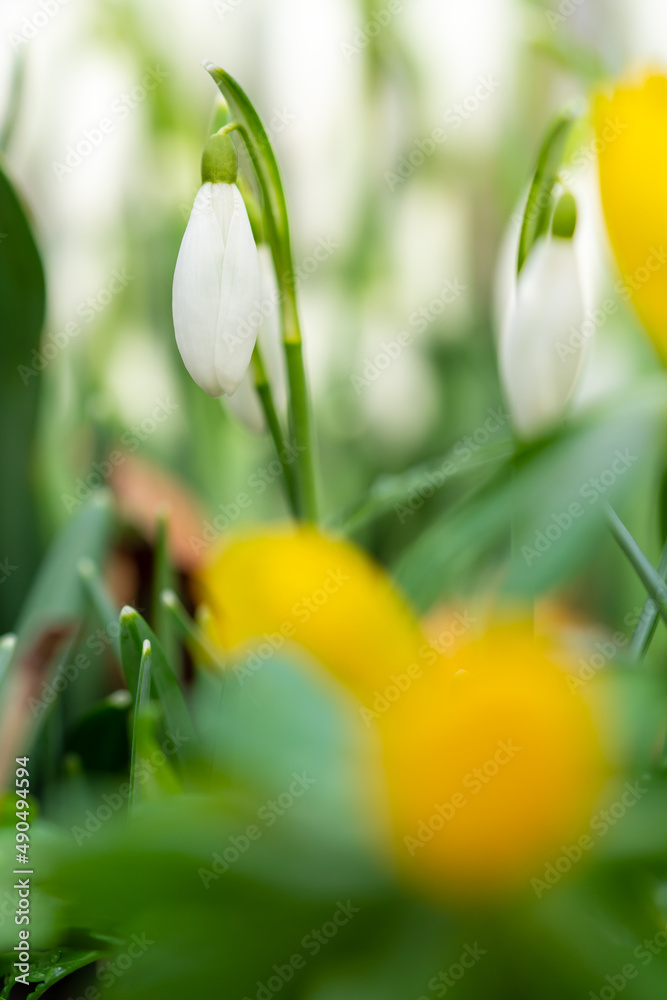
(219, 163)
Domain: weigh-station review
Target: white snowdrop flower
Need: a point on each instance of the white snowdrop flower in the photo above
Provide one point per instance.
(216, 293)
(541, 347)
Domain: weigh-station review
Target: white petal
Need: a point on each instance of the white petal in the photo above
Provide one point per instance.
(196, 292)
(245, 404)
(239, 314)
(542, 349)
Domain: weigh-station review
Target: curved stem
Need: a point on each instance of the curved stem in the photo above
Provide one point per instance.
(273, 423)
(251, 130)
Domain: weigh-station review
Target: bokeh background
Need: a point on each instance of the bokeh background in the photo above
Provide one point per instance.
(104, 109)
(344, 107)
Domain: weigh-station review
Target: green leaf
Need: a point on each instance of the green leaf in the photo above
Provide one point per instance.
(22, 308)
(67, 963)
(48, 968)
(529, 504)
(200, 648)
(388, 491)
(144, 729)
(57, 596)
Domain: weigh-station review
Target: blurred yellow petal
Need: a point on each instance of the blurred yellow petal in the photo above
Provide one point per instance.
(492, 770)
(491, 759)
(631, 130)
(320, 592)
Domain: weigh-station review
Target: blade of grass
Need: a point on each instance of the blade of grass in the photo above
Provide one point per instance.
(655, 585)
(56, 595)
(265, 395)
(141, 707)
(648, 620)
(201, 648)
(163, 578)
(134, 632)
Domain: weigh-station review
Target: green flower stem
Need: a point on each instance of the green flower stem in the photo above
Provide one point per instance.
(300, 420)
(301, 428)
(645, 630)
(655, 585)
(273, 423)
(248, 124)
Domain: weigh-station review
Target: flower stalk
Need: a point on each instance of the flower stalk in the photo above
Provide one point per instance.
(247, 123)
(268, 405)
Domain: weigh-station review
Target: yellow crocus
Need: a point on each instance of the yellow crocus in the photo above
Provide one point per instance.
(492, 770)
(631, 133)
(490, 760)
(295, 585)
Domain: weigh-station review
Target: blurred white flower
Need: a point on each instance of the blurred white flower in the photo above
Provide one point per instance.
(589, 241)
(216, 294)
(542, 346)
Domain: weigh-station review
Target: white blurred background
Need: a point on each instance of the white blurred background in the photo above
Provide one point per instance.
(348, 90)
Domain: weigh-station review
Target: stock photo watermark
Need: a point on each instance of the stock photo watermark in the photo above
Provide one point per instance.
(86, 312)
(605, 651)
(592, 491)
(268, 815)
(584, 156)
(596, 318)
(462, 452)
(473, 782)
(112, 803)
(616, 982)
(312, 943)
(111, 970)
(121, 108)
(599, 826)
(444, 644)
(131, 439)
(257, 483)
(453, 119)
(34, 23)
(418, 321)
(566, 9)
(446, 979)
(301, 612)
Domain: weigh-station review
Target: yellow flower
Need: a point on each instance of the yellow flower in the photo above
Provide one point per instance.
(490, 759)
(319, 592)
(491, 770)
(631, 131)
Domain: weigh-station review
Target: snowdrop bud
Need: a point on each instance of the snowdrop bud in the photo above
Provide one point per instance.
(541, 346)
(216, 293)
